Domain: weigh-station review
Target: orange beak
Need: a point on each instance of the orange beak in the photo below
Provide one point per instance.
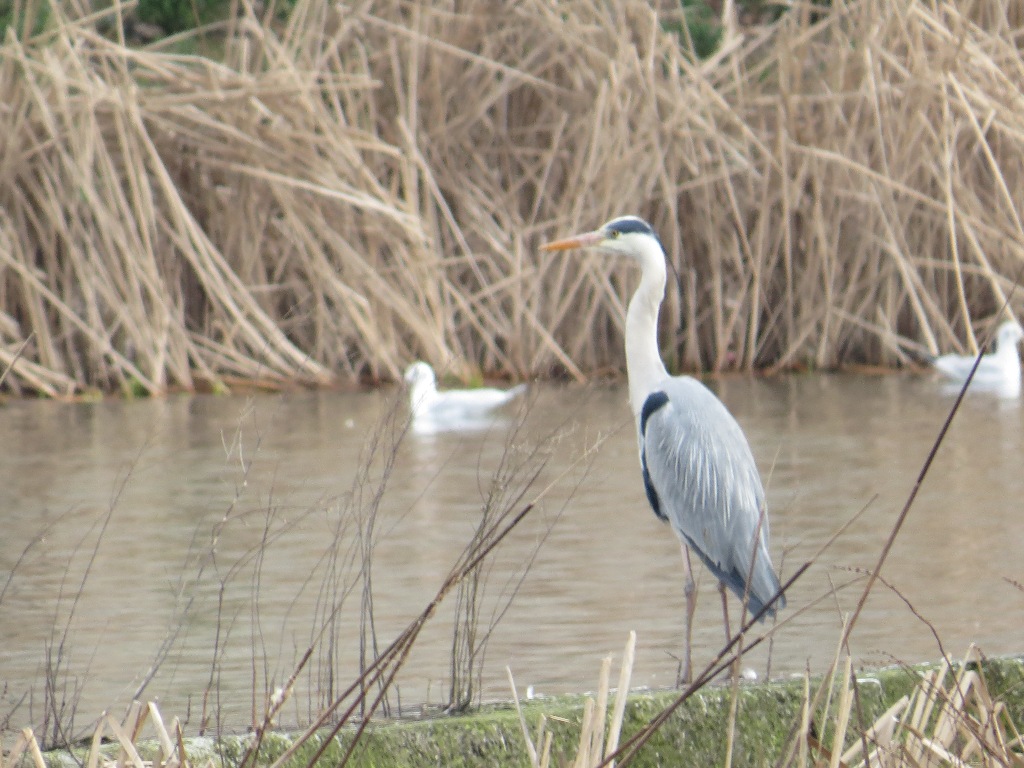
(578, 241)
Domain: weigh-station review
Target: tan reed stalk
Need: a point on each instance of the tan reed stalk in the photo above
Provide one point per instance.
(621, 696)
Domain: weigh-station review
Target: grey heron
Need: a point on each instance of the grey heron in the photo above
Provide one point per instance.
(434, 410)
(698, 470)
(999, 370)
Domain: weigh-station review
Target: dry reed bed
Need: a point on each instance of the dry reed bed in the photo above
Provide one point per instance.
(368, 185)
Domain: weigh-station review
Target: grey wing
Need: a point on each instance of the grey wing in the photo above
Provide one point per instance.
(700, 475)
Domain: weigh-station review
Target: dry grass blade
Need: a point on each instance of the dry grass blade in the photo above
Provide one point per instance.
(845, 703)
(25, 742)
(589, 728)
(129, 754)
(880, 734)
(531, 749)
(621, 696)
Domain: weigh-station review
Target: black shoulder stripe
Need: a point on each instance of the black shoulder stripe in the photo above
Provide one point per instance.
(652, 495)
(654, 401)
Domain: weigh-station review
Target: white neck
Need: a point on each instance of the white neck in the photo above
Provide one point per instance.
(1007, 350)
(643, 359)
(1008, 360)
(423, 393)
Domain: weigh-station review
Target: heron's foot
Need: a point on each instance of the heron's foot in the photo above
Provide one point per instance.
(683, 672)
(684, 675)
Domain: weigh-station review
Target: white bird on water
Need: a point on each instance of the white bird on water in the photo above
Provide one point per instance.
(998, 371)
(452, 409)
(698, 470)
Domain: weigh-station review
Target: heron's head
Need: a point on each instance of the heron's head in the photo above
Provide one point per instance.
(1009, 334)
(419, 373)
(625, 236)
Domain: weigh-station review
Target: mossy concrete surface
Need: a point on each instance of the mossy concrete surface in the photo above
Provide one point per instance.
(695, 735)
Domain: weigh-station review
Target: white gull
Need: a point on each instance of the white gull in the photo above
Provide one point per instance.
(998, 371)
(436, 410)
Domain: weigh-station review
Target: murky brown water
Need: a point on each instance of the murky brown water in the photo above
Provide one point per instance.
(209, 535)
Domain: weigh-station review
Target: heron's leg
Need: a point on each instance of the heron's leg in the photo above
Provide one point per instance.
(690, 593)
(725, 610)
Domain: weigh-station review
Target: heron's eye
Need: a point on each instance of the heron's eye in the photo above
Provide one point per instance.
(614, 234)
